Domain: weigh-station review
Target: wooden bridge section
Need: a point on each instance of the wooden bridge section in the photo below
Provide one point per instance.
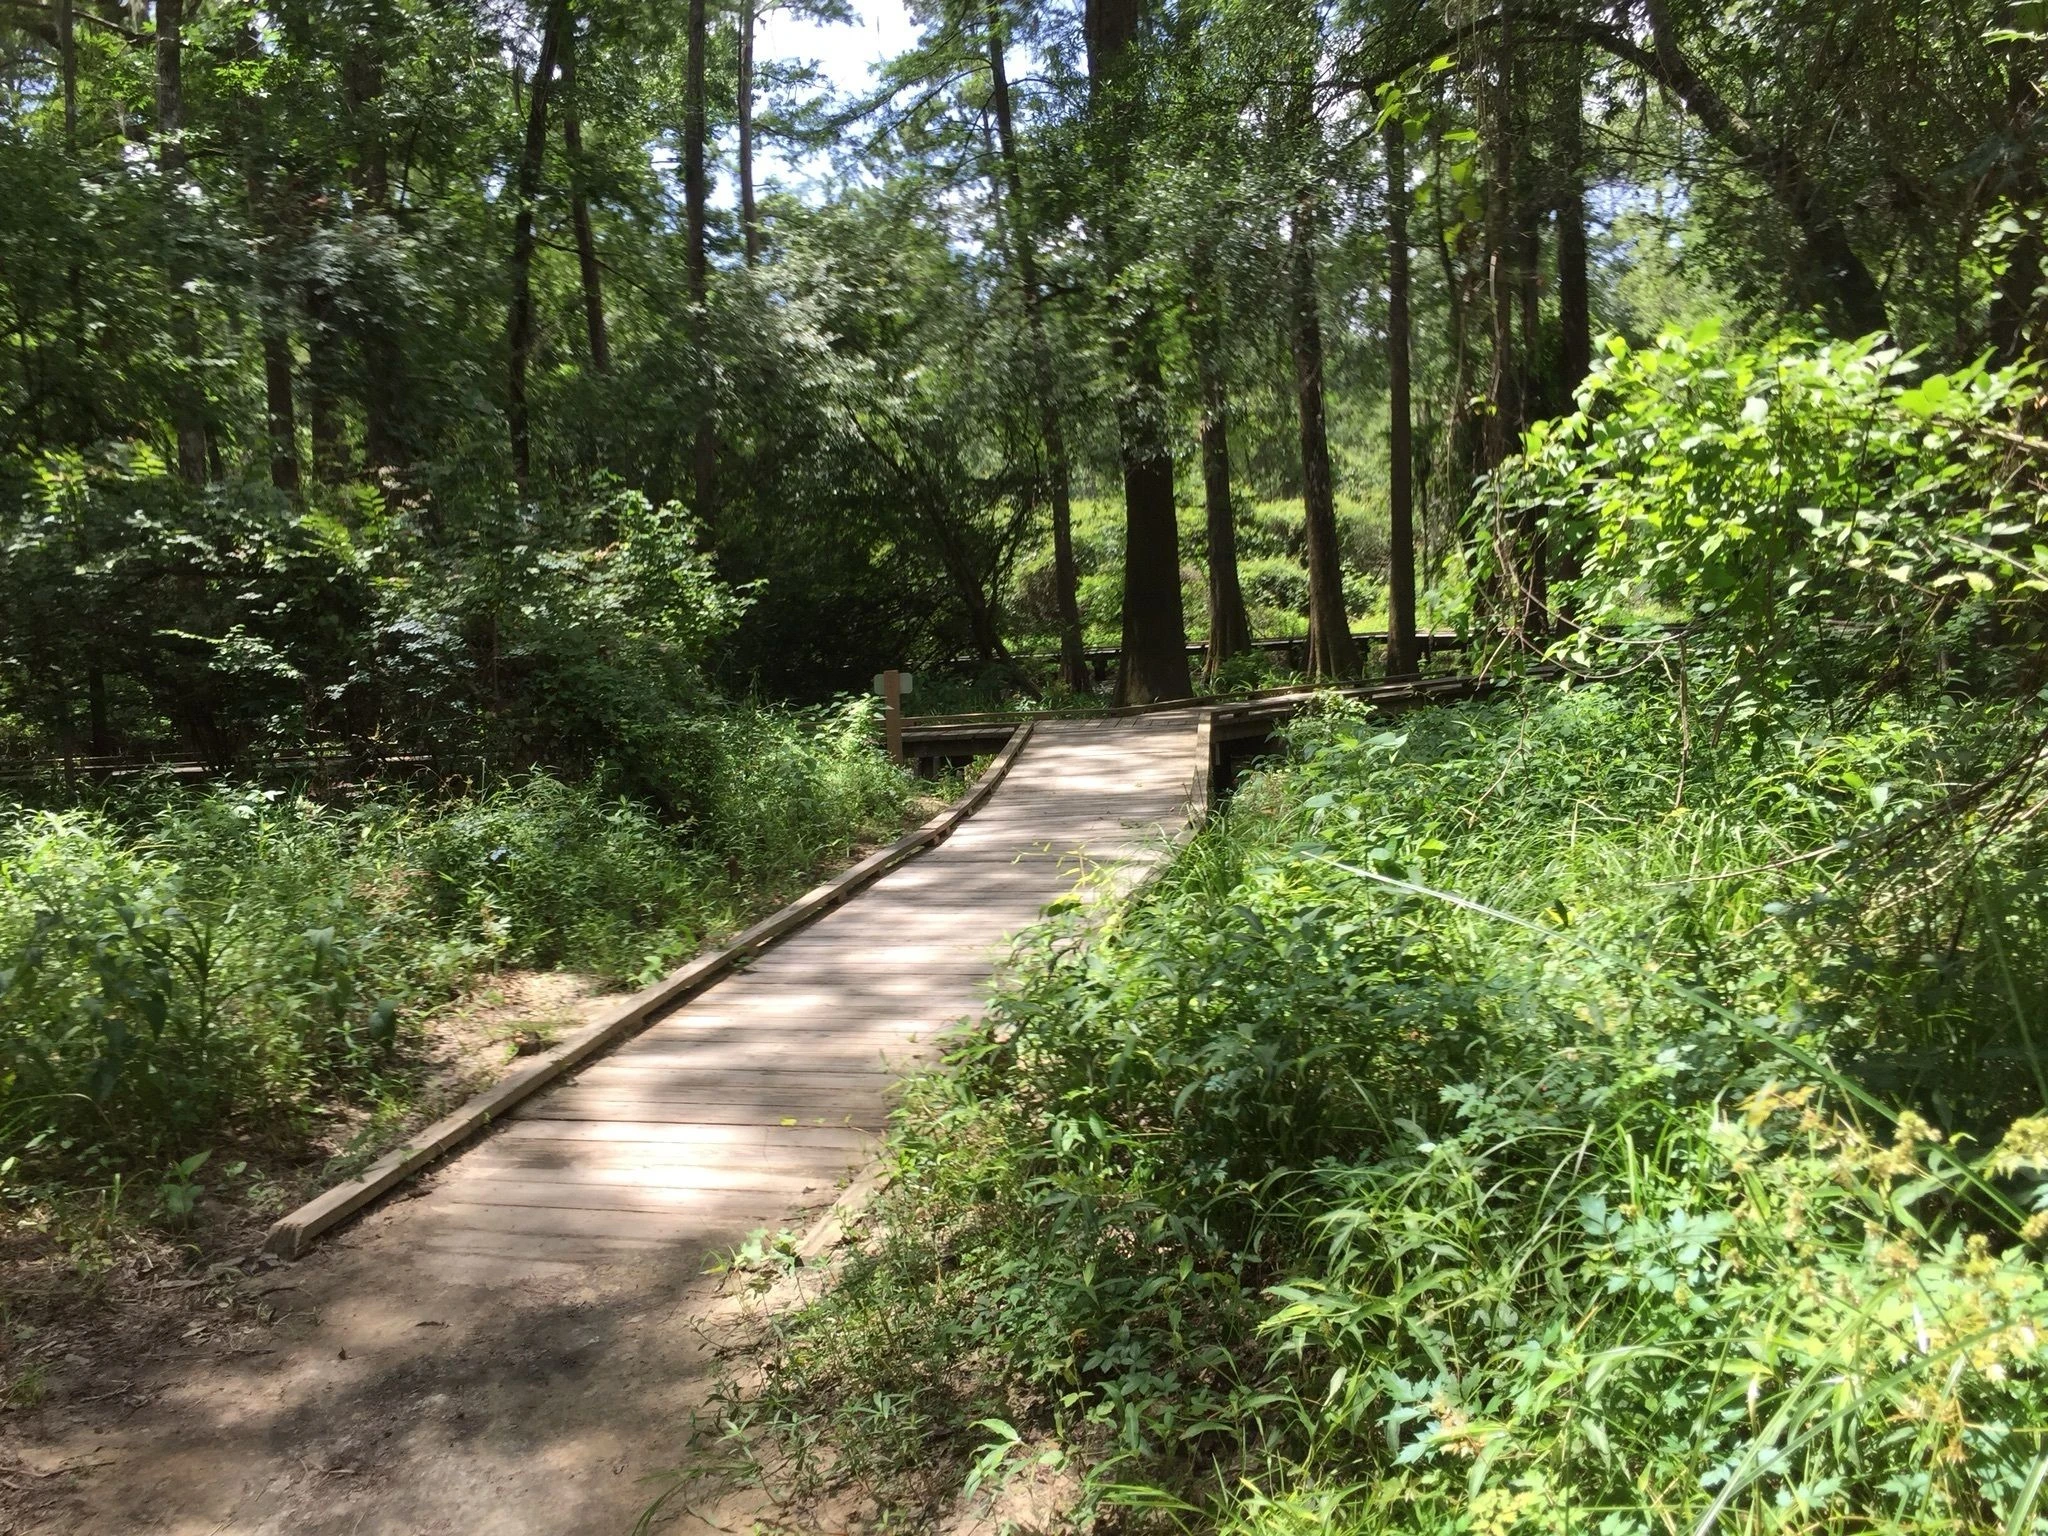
(769, 1085)
(518, 1340)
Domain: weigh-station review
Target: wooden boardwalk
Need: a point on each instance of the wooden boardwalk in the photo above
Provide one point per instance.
(766, 1088)
(518, 1342)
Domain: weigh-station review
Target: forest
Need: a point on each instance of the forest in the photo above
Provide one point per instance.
(462, 463)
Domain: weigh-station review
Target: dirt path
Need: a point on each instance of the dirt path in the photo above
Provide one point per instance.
(515, 1344)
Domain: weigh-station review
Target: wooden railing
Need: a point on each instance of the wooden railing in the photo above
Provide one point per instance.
(312, 761)
(1227, 723)
(1102, 658)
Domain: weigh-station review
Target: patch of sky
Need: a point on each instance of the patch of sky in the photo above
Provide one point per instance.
(845, 58)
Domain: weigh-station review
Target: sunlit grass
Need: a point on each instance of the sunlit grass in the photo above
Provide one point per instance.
(1513, 1118)
(178, 965)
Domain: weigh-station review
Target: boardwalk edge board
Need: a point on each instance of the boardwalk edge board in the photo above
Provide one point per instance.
(289, 1235)
(1202, 793)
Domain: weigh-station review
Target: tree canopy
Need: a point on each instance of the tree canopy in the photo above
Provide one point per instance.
(348, 342)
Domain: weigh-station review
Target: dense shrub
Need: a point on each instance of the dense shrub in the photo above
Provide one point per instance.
(1828, 517)
(550, 874)
(1275, 587)
(1519, 1119)
(222, 961)
(239, 623)
(182, 964)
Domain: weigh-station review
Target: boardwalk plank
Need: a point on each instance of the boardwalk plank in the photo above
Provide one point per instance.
(760, 1094)
(720, 1139)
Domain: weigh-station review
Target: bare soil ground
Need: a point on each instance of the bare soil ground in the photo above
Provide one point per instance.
(357, 1392)
(108, 1317)
(188, 1385)
(751, 1487)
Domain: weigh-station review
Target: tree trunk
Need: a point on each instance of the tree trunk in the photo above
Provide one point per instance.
(1503, 407)
(1065, 574)
(188, 400)
(704, 459)
(1230, 629)
(170, 88)
(1066, 578)
(1574, 306)
(579, 211)
(750, 221)
(2014, 300)
(362, 87)
(67, 64)
(96, 710)
(1528, 256)
(1153, 663)
(272, 304)
(519, 328)
(1535, 397)
(323, 388)
(1154, 660)
(85, 404)
(387, 438)
(1331, 650)
(278, 414)
(1460, 438)
(1403, 653)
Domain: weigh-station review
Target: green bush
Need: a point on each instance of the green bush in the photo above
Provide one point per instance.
(1275, 585)
(1483, 1127)
(180, 965)
(788, 791)
(241, 623)
(542, 873)
(1828, 517)
(546, 873)
(221, 963)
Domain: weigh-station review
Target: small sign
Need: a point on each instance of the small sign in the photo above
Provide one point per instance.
(903, 682)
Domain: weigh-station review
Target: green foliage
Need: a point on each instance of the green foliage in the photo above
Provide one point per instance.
(549, 874)
(1275, 593)
(154, 985)
(181, 965)
(1480, 1128)
(1822, 513)
(178, 1196)
(236, 623)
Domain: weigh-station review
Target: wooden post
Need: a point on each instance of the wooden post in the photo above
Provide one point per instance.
(892, 715)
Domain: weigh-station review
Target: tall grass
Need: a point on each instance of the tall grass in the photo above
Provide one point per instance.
(1517, 1119)
(177, 966)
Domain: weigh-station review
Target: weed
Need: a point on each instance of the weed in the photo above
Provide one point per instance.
(178, 1195)
(1516, 1119)
(180, 967)
(28, 1387)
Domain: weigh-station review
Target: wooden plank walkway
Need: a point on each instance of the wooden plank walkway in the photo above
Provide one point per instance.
(518, 1342)
(769, 1086)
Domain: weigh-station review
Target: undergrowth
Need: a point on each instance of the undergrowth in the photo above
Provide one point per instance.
(1533, 1116)
(181, 967)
